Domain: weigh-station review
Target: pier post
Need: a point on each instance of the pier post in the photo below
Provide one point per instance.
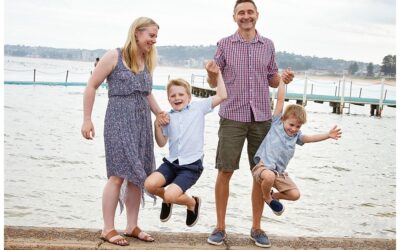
(305, 89)
(34, 75)
(272, 99)
(66, 77)
(373, 109)
(379, 110)
(342, 97)
(351, 88)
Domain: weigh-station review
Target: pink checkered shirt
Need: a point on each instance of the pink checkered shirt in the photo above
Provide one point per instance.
(246, 68)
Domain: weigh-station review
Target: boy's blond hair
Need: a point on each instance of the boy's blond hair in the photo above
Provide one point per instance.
(296, 111)
(179, 82)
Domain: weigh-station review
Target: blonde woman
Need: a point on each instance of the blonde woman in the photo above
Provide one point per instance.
(128, 135)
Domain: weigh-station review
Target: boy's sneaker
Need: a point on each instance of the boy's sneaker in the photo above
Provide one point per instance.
(166, 211)
(192, 217)
(260, 238)
(276, 207)
(217, 237)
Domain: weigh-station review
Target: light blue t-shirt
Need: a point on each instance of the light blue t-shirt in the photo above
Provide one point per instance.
(185, 132)
(277, 148)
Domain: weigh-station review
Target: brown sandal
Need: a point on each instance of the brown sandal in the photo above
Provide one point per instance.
(111, 235)
(136, 234)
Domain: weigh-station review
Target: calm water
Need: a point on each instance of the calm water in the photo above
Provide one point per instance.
(53, 177)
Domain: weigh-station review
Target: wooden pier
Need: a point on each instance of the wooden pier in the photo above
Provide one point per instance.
(337, 102)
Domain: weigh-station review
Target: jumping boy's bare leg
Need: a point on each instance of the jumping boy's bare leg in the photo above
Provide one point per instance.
(268, 179)
(291, 195)
(174, 194)
(154, 184)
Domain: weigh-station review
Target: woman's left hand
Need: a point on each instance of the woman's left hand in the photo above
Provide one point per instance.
(162, 118)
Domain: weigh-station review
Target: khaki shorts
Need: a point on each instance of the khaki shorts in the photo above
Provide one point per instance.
(232, 135)
(282, 181)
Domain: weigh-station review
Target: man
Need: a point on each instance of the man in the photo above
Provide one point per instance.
(247, 62)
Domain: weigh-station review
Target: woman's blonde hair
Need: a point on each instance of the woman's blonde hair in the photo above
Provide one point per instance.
(296, 111)
(179, 82)
(130, 49)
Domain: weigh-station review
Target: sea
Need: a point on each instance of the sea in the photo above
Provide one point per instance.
(55, 178)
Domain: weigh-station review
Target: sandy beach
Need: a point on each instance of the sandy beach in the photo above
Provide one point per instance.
(67, 238)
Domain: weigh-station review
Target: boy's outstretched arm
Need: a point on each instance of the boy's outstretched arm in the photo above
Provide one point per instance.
(221, 89)
(280, 98)
(287, 76)
(161, 139)
(335, 133)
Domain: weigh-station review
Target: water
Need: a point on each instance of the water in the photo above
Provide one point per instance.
(22, 69)
(54, 178)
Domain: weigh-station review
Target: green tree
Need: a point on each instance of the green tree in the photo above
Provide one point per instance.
(353, 68)
(388, 66)
(370, 69)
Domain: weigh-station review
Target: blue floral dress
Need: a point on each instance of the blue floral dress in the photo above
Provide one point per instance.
(128, 134)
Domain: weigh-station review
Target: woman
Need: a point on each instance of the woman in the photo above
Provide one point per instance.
(128, 133)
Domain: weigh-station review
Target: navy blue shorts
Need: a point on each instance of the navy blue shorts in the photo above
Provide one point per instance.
(184, 176)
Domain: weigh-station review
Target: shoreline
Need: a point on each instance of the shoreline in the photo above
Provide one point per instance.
(356, 80)
(16, 237)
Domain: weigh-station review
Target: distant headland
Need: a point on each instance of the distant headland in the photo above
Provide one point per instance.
(194, 56)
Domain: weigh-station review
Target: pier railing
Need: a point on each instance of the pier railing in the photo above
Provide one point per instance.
(59, 76)
(340, 94)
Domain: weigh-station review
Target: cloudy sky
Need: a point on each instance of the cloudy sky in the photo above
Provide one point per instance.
(361, 30)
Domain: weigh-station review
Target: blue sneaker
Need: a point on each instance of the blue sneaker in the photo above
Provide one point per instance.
(276, 207)
(260, 238)
(217, 237)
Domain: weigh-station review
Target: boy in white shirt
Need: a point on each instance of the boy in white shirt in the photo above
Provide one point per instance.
(185, 135)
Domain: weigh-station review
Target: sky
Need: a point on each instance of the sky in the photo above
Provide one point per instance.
(359, 30)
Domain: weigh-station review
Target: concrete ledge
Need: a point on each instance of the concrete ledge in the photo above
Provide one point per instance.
(69, 238)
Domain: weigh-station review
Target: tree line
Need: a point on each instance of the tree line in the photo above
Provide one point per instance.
(387, 68)
(194, 56)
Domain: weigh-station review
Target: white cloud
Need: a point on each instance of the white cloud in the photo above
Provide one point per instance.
(338, 29)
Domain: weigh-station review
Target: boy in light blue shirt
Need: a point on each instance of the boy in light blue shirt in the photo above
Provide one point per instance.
(185, 136)
(277, 148)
